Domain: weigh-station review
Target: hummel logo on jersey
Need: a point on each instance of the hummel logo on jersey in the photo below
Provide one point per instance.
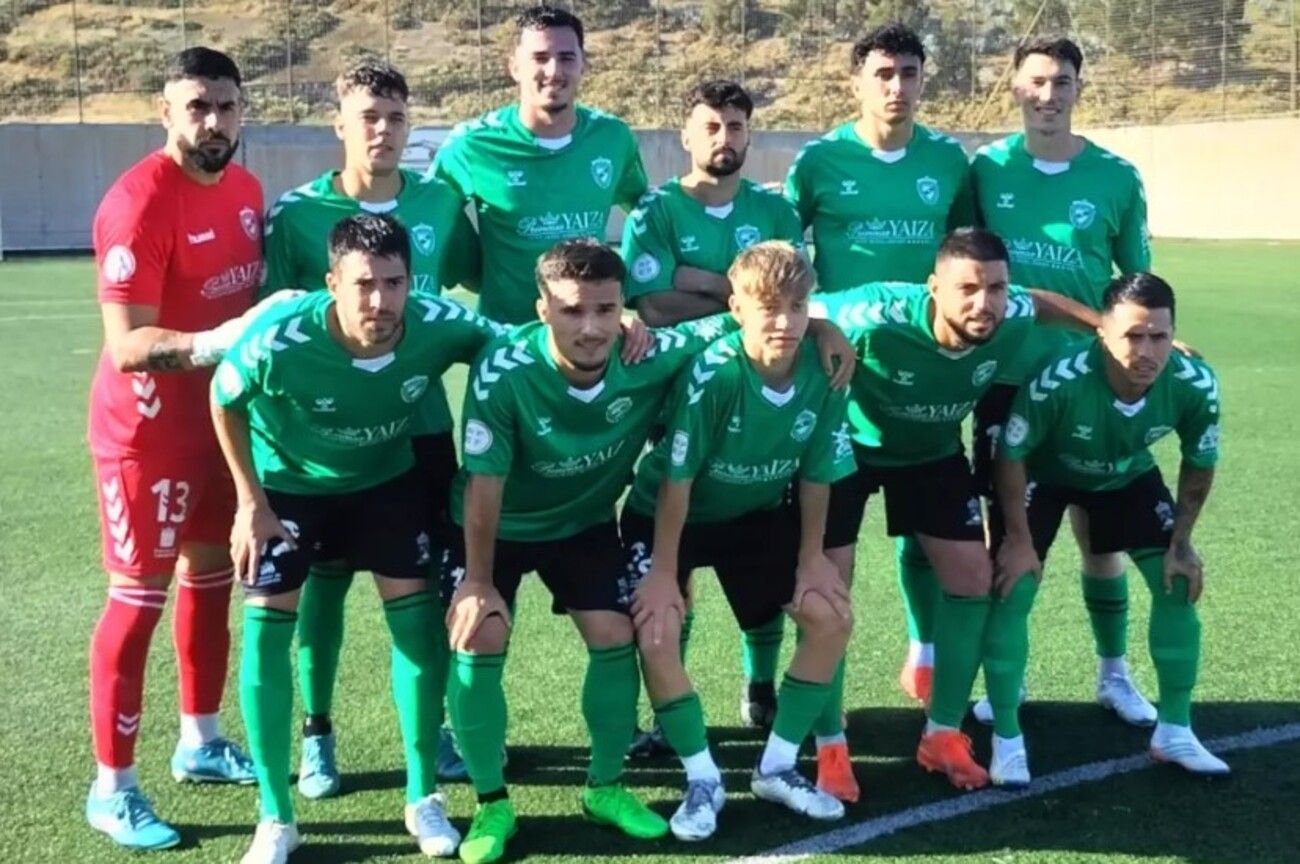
(201, 238)
(928, 189)
(848, 187)
(690, 244)
(733, 425)
(516, 178)
(324, 405)
(543, 427)
(1082, 213)
(1083, 433)
(904, 378)
(1007, 201)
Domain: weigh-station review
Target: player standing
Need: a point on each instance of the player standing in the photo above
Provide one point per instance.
(178, 246)
(1079, 434)
(1071, 214)
(314, 409)
(926, 354)
(542, 170)
(755, 411)
(373, 124)
(677, 246)
(879, 194)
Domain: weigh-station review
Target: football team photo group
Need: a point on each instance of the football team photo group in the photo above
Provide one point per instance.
(976, 345)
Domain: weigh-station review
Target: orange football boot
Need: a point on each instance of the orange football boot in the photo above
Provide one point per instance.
(835, 773)
(949, 751)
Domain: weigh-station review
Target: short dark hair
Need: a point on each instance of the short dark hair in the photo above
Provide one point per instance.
(374, 76)
(972, 244)
(544, 16)
(201, 62)
(584, 259)
(1145, 289)
(372, 233)
(892, 39)
(720, 94)
(1057, 47)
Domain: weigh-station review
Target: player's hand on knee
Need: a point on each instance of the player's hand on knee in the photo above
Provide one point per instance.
(817, 574)
(636, 339)
(1015, 558)
(1182, 560)
(655, 598)
(473, 604)
(257, 532)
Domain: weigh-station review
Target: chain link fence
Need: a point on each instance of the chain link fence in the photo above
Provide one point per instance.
(1148, 61)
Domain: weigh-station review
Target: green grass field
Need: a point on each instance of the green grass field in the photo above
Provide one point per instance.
(1238, 305)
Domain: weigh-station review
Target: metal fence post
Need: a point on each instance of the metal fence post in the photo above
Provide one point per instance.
(76, 62)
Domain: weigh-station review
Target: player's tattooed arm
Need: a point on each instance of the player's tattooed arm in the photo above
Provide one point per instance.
(1016, 555)
(1181, 560)
(1053, 308)
(136, 344)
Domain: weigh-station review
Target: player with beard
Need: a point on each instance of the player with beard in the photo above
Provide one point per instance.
(542, 170)
(373, 123)
(678, 244)
(178, 246)
(927, 353)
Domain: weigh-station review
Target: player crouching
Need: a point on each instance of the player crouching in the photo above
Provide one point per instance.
(754, 412)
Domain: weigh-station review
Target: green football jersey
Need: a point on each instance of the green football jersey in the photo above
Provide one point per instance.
(743, 442)
(322, 421)
(669, 229)
(530, 197)
(910, 394)
(879, 216)
(567, 454)
(1070, 429)
(1068, 227)
(444, 250)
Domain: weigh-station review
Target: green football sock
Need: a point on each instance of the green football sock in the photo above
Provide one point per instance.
(320, 634)
(477, 704)
(919, 586)
(266, 697)
(684, 640)
(830, 721)
(682, 720)
(958, 648)
(609, 696)
(419, 672)
(760, 650)
(1006, 652)
(1175, 639)
(798, 703)
(1107, 603)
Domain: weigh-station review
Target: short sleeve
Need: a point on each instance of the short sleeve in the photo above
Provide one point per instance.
(830, 454)
(694, 425)
(633, 184)
(1198, 425)
(962, 213)
(798, 187)
(1132, 250)
(1026, 426)
(278, 250)
(133, 243)
(451, 165)
(647, 251)
(488, 427)
(462, 263)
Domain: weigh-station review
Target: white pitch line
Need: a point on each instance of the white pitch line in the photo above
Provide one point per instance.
(47, 317)
(952, 808)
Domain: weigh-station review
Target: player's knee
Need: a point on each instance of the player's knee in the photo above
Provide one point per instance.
(1107, 565)
(490, 638)
(152, 580)
(605, 630)
(967, 574)
(394, 589)
(819, 620)
(664, 655)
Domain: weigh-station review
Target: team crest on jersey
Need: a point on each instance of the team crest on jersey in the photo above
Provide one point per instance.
(803, 425)
(928, 189)
(250, 223)
(119, 264)
(746, 236)
(1017, 430)
(602, 171)
(424, 238)
(984, 372)
(1155, 433)
(413, 388)
(618, 409)
(1082, 213)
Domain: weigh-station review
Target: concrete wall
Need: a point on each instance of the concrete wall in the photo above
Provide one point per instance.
(1211, 180)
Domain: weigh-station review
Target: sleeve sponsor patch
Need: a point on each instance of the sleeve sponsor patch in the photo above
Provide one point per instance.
(119, 265)
(645, 268)
(681, 441)
(1017, 430)
(478, 438)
